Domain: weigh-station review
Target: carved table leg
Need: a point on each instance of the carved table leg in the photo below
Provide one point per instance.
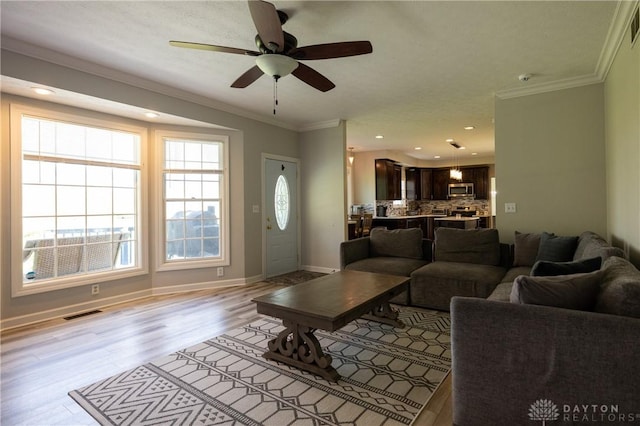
(296, 345)
(385, 314)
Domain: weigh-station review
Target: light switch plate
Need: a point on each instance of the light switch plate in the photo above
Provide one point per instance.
(255, 208)
(509, 207)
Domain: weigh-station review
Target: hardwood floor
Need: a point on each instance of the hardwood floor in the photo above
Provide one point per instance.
(40, 363)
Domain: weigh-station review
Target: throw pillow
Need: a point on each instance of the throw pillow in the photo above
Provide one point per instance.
(556, 249)
(577, 291)
(620, 291)
(525, 249)
(543, 268)
(479, 246)
(396, 242)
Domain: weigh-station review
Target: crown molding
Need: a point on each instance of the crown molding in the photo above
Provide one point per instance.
(551, 86)
(619, 24)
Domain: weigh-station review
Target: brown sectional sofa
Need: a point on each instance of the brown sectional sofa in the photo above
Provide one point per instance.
(509, 358)
(512, 355)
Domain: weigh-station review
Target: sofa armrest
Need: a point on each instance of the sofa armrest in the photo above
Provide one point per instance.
(353, 250)
(508, 356)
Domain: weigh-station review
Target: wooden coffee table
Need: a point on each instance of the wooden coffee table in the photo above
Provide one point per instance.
(326, 303)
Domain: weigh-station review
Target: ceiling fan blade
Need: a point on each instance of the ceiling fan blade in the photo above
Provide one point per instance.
(332, 50)
(313, 78)
(265, 18)
(248, 77)
(212, 47)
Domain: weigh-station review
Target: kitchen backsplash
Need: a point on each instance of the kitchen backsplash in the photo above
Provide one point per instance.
(412, 207)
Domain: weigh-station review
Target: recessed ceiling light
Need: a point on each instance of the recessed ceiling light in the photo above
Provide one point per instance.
(436, 156)
(474, 153)
(462, 147)
(418, 148)
(42, 91)
(151, 114)
(379, 137)
(469, 127)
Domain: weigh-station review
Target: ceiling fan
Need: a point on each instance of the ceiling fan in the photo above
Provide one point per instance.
(279, 54)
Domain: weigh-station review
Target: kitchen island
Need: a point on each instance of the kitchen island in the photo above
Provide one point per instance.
(459, 222)
(422, 221)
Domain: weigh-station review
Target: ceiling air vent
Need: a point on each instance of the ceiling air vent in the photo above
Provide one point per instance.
(456, 145)
(635, 25)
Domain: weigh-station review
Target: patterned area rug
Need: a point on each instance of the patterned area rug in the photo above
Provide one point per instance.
(387, 375)
(295, 277)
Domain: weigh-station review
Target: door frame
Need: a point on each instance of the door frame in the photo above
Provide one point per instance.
(263, 220)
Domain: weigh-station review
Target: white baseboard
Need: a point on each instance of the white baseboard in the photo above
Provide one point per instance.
(324, 270)
(70, 310)
(66, 311)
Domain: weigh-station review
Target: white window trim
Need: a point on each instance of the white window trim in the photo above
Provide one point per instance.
(159, 211)
(18, 287)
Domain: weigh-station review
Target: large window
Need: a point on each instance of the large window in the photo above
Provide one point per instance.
(194, 183)
(77, 203)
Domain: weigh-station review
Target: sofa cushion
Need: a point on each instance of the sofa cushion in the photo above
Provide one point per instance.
(433, 285)
(556, 249)
(543, 268)
(477, 246)
(620, 289)
(396, 243)
(387, 265)
(591, 244)
(577, 291)
(525, 249)
(502, 292)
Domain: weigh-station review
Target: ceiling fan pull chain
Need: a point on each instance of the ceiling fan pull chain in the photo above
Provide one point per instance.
(275, 94)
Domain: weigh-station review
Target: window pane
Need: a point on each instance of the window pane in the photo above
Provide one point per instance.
(281, 201)
(70, 174)
(70, 200)
(125, 178)
(174, 186)
(99, 144)
(38, 200)
(99, 176)
(124, 201)
(99, 224)
(211, 187)
(99, 201)
(70, 226)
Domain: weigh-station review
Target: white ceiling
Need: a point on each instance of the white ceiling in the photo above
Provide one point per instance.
(435, 66)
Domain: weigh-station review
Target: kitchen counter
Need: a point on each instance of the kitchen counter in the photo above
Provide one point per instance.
(455, 218)
(418, 216)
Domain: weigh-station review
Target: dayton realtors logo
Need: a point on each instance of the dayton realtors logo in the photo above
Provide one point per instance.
(545, 410)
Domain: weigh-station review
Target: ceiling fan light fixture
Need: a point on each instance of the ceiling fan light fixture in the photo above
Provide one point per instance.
(276, 65)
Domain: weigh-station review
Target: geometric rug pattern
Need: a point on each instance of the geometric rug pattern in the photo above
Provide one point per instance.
(387, 374)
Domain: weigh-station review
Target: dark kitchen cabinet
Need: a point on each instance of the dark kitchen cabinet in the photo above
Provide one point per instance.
(440, 184)
(388, 180)
(412, 177)
(481, 182)
(426, 184)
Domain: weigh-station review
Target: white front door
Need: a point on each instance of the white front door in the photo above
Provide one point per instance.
(281, 216)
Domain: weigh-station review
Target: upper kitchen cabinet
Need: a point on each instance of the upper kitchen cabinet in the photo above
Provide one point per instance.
(440, 179)
(412, 178)
(388, 180)
(481, 182)
(426, 184)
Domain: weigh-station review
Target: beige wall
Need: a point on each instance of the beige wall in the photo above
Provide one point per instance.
(246, 146)
(550, 161)
(323, 179)
(622, 132)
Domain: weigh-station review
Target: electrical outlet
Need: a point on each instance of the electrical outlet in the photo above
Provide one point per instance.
(95, 289)
(509, 207)
(220, 271)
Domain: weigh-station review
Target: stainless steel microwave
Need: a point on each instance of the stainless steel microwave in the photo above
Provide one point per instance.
(461, 190)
